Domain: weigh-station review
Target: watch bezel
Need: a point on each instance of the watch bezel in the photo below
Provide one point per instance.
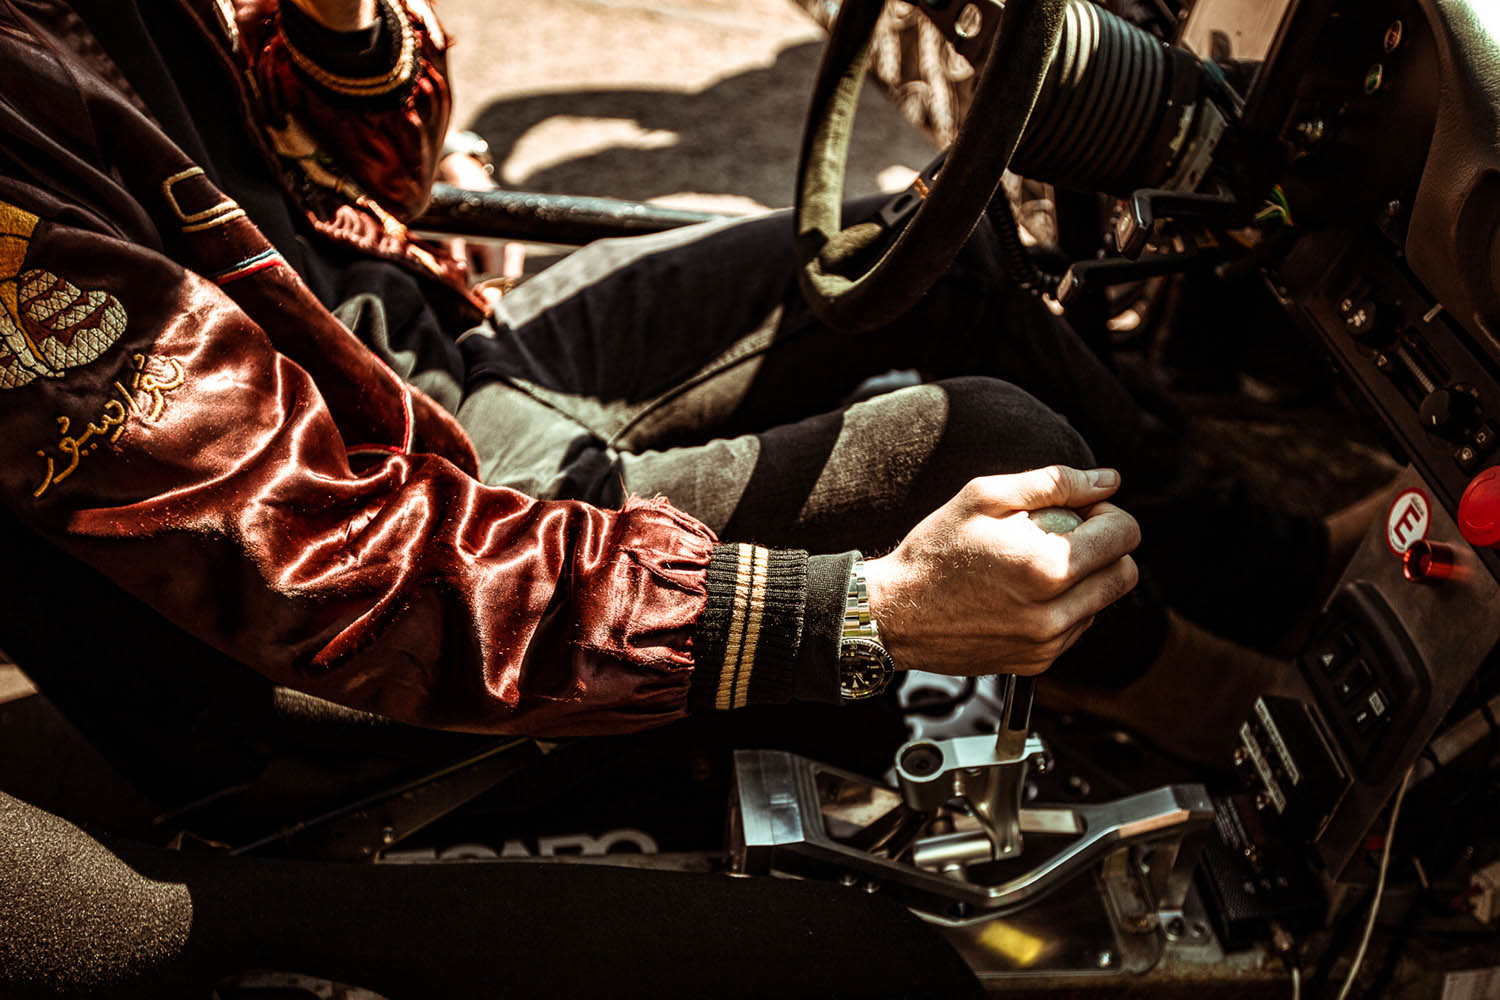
(863, 651)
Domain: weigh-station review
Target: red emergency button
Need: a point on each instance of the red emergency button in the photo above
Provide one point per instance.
(1479, 510)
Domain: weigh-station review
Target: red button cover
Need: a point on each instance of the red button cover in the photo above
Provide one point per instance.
(1479, 509)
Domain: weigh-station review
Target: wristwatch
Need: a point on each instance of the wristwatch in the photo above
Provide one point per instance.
(865, 668)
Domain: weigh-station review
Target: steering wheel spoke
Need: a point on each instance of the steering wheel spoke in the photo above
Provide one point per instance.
(969, 27)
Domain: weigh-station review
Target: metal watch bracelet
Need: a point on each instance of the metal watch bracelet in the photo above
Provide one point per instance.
(865, 668)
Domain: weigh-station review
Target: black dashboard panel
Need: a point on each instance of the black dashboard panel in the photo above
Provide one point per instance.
(1454, 238)
(1364, 120)
(1380, 119)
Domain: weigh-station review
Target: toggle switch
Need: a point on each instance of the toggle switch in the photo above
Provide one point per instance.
(1429, 562)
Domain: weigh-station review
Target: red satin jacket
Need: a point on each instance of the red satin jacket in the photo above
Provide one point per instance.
(178, 411)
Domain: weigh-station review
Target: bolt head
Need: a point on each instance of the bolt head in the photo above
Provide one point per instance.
(1393, 36)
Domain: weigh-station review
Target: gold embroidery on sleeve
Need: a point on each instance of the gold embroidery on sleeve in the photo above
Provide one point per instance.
(47, 323)
(154, 387)
(224, 211)
(151, 377)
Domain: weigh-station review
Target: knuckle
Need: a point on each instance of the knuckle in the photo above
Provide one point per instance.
(1043, 581)
(1052, 570)
(1057, 477)
(1050, 624)
(978, 490)
(1032, 626)
(1062, 623)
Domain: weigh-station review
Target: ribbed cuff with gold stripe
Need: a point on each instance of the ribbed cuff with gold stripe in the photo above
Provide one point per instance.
(745, 646)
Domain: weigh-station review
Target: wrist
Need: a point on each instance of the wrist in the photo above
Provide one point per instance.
(885, 605)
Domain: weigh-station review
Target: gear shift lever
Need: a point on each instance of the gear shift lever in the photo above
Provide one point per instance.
(988, 775)
(1015, 721)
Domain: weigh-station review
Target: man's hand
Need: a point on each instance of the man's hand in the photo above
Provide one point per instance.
(979, 588)
(340, 15)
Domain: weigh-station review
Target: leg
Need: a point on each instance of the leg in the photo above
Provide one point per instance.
(862, 476)
(697, 335)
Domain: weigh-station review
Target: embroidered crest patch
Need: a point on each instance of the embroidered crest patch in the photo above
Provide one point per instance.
(47, 324)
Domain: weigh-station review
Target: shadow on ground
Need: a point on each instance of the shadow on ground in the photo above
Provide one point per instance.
(715, 141)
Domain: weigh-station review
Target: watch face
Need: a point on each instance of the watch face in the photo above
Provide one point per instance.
(865, 668)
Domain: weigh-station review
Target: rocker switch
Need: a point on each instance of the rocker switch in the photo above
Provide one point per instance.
(1355, 681)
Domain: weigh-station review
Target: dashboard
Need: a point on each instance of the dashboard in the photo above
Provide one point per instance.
(1379, 120)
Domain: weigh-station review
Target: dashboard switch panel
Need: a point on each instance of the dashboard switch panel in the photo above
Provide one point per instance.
(1288, 765)
(1376, 685)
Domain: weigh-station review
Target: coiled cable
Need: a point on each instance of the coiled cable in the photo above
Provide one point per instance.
(1015, 259)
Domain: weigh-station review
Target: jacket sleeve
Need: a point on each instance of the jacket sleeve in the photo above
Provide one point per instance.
(151, 429)
(378, 103)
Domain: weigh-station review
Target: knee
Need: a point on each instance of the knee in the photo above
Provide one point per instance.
(996, 428)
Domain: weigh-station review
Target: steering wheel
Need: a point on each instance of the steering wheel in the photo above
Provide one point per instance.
(846, 288)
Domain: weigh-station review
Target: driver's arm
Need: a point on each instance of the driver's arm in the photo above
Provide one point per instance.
(230, 454)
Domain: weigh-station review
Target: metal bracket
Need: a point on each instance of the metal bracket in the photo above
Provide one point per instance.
(901, 206)
(977, 770)
(794, 816)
